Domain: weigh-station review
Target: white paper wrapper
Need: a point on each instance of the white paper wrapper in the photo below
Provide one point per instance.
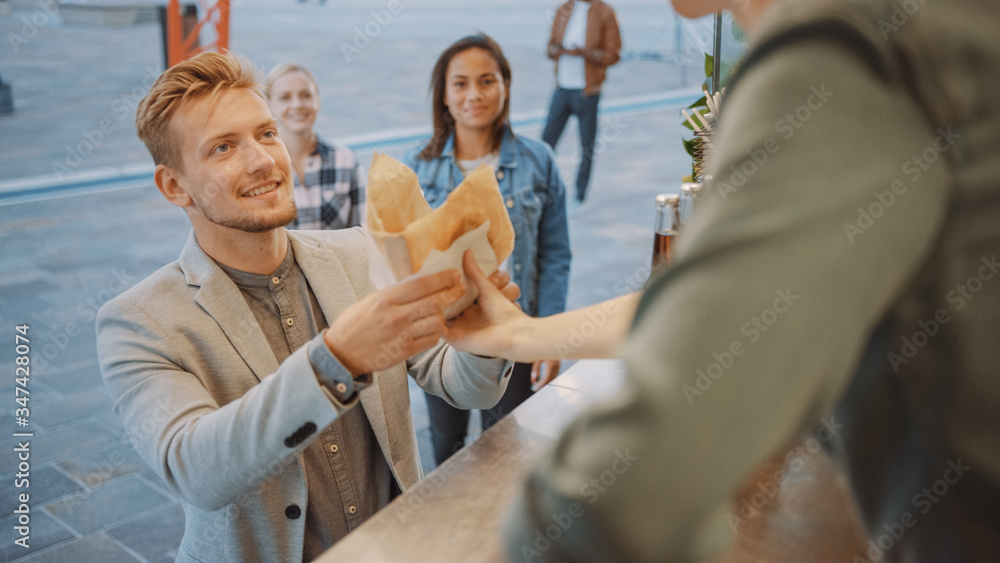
(382, 273)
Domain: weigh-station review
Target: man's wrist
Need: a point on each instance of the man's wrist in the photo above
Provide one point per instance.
(330, 372)
(335, 348)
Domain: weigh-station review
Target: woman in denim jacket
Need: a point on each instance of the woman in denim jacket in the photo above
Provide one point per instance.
(470, 88)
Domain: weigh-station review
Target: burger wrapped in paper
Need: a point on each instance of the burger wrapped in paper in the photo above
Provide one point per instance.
(409, 239)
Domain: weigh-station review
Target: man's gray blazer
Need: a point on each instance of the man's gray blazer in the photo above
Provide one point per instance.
(209, 408)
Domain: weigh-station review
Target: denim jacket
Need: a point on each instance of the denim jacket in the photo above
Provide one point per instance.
(535, 198)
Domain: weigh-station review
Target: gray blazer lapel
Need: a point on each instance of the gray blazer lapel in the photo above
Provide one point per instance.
(335, 292)
(222, 300)
(332, 287)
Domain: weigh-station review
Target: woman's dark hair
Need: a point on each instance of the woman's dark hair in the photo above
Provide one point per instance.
(444, 123)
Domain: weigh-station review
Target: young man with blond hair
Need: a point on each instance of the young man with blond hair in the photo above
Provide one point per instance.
(260, 375)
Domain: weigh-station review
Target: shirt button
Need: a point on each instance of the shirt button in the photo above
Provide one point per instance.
(510, 204)
(289, 321)
(499, 174)
(293, 512)
(341, 388)
(333, 448)
(275, 280)
(353, 509)
(517, 267)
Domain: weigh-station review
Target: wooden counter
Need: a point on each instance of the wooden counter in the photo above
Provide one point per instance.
(455, 513)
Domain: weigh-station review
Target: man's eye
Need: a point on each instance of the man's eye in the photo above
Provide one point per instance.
(270, 134)
(224, 147)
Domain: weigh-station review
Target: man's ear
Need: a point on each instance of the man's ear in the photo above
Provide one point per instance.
(172, 185)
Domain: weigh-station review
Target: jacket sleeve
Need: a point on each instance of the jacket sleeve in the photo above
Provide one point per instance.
(749, 339)
(463, 380)
(559, 22)
(206, 453)
(554, 254)
(610, 49)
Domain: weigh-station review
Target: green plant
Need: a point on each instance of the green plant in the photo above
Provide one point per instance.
(700, 106)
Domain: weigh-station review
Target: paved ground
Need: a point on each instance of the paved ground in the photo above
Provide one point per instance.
(91, 498)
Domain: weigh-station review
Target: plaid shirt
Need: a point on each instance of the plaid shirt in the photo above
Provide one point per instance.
(333, 194)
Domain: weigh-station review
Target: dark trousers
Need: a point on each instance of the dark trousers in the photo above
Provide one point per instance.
(449, 424)
(564, 104)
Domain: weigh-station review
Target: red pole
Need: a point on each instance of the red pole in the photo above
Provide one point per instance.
(181, 44)
(174, 52)
(222, 28)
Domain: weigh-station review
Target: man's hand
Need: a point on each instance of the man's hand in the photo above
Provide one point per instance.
(487, 327)
(542, 372)
(391, 325)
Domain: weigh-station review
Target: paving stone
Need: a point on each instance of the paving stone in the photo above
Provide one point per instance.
(45, 484)
(45, 532)
(54, 413)
(113, 422)
(94, 468)
(70, 353)
(152, 535)
(59, 445)
(27, 288)
(76, 376)
(37, 395)
(156, 482)
(107, 504)
(97, 548)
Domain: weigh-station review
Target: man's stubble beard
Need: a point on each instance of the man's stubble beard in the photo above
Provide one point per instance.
(248, 223)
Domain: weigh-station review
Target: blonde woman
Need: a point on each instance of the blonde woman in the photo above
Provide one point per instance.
(329, 185)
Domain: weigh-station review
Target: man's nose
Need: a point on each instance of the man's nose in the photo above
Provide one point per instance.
(258, 159)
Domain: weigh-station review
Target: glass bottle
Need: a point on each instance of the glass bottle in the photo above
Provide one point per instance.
(689, 193)
(667, 223)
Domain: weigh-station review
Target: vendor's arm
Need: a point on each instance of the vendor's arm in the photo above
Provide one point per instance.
(498, 328)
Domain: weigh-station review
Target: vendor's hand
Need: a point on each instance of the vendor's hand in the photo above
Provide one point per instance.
(500, 280)
(391, 325)
(487, 328)
(575, 52)
(542, 372)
